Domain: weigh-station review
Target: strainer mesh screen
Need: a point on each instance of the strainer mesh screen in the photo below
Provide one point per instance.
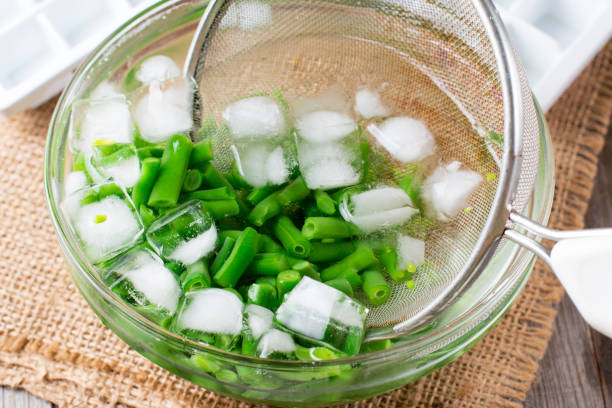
(431, 60)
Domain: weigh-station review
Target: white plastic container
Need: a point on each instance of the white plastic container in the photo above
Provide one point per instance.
(46, 40)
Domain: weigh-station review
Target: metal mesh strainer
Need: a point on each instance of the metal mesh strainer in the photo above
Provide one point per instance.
(448, 63)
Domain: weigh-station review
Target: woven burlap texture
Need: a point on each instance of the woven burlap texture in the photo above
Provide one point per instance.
(53, 345)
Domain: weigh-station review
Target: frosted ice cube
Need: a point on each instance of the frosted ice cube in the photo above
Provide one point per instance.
(277, 169)
(163, 108)
(122, 165)
(185, 234)
(106, 120)
(384, 219)
(74, 181)
(157, 67)
(104, 220)
(275, 341)
(328, 165)
(409, 251)
(105, 89)
(151, 280)
(325, 126)
(406, 139)
(260, 164)
(448, 189)
(368, 104)
(255, 117)
(323, 315)
(216, 311)
(258, 320)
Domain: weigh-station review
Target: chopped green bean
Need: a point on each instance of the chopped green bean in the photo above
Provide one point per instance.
(352, 276)
(202, 153)
(230, 233)
(263, 295)
(328, 227)
(195, 277)
(361, 258)
(219, 193)
(268, 264)
(376, 346)
(193, 180)
(241, 256)
(324, 202)
(267, 244)
(222, 208)
(294, 192)
(305, 268)
(266, 209)
(375, 287)
(342, 284)
(236, 178)
(388, 257)
(223, 254)
(147, 215)
(330, 251)
(167, 187)
(268, 280)
(144, 185)
(287, 280)
(292, 239)
(258, 194)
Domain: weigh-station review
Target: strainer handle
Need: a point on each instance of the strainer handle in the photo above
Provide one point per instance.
(581, 260)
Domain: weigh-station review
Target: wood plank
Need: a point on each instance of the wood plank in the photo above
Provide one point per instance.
(14, 398)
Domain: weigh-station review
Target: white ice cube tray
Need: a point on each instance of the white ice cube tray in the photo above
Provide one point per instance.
(42, 41)
(556, 39)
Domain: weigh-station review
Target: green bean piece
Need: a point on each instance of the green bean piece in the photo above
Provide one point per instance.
(230, 233)
(286, 281)
(154, 150)
(330, 251)
(193, 180)
(324, 202)
(263, 295)
(259, 193)
(249, 345)
(235, 177)
(352, 276)
(411, 185)
(223, 254)
(212, 178)
(266, 209)
(305, 268)
(269, 245)
(265, 264)
(375, 346)
(342, 284)
(292, 239)
(175, 267)
(328, 227)
(202, 153)
(167, 187)
(144, 185)
(358, 260)
(268, 280)
(222, 208)
(195, 277)
(235, 292)
(365, 150)
(313, 211)
(206, 362)
(239, 259)
(294, 192)
(375, 287)
(219, 193)
(147, 215)
(388, 257)
(227, 376)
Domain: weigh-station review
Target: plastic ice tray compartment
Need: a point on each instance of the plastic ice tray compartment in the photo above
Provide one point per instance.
(556, 39)
(46, 40)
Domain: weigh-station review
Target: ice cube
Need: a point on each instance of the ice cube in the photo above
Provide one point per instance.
(105, 89)
(328, 165)
(216, 311)
(95, 121)
(368, 104)
(255, 117)
(259, 320)
(163, 108)
(151, 280)
(409, 251)
(122, 165)
(275, 341)
(261, 165)
(323, 315)
(74, 181)
(157, 68)
(325, 126)
(277, 169)
(384, 219)
(184, 234)
(448, 189)
(406, 139)
(104, 219)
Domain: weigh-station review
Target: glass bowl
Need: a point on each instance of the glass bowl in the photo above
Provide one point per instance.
(165, 27)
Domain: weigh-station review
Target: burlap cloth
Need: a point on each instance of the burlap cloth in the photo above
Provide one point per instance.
(53, 345)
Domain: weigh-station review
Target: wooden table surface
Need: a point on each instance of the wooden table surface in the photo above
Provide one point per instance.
(576, 371)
